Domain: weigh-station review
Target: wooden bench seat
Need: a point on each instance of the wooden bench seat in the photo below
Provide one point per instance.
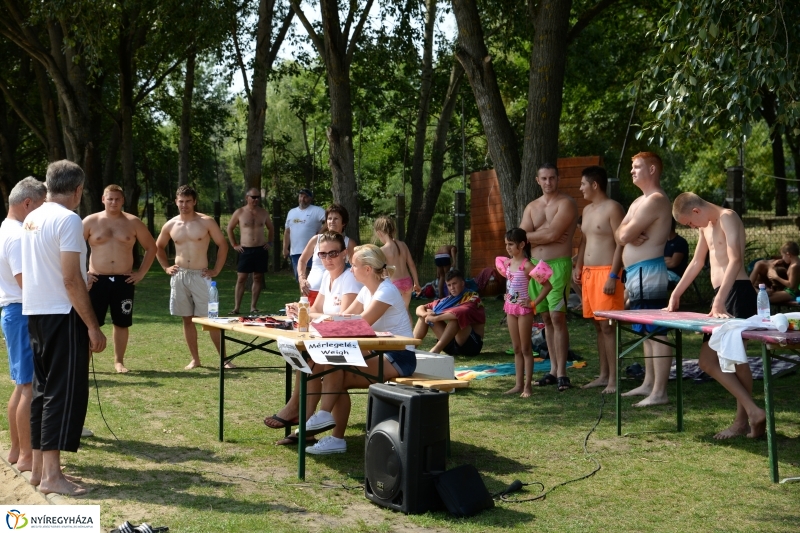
(432, 382)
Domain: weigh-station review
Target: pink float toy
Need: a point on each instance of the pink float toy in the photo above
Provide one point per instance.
(541, 272)
(500, 263)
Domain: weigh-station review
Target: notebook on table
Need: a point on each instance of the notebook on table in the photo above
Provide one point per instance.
(344, 328)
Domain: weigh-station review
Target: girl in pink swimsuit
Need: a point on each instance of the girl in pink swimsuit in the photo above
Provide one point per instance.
(516, 270)
(397, 254)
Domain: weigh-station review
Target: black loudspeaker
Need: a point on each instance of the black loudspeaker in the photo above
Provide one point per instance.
(407, 431)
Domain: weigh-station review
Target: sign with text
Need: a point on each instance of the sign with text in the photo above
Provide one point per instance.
(52, 518)
(335, 352)
(292, 355)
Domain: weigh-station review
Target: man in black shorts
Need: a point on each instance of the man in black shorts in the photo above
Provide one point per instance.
(253, 246)
(112, 233)
(721, 237)
(458, 321)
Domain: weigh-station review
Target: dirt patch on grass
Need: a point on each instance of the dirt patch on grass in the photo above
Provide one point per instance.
(16, 489)
(362, 516)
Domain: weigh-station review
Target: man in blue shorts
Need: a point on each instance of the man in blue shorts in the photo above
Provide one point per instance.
(644, 232)
(26, 196)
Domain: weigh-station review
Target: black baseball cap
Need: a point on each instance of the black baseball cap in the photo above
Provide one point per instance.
(307, 192)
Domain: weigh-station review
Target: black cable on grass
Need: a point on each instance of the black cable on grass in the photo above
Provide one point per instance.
(517, 485)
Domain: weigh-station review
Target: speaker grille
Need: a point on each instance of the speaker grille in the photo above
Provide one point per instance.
(384, 464)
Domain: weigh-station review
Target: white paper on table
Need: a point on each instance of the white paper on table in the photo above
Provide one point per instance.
(335, 352)
(292, 355)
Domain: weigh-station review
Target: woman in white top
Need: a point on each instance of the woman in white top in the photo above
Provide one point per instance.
(336, 218)
(382, 306)
(338, 290)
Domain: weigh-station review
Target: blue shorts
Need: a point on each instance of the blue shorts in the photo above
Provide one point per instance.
(18, 343)
(647, 283)
(404, 361)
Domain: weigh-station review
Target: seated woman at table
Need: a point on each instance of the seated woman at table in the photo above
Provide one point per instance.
(381, 305)
(338, 289)
(336, 218)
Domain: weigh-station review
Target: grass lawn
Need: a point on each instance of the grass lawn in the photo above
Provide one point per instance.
(164, 465)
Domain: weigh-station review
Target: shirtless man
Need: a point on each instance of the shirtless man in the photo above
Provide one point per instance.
(721, 236)
(644, 232)
(597, 269)
(192, 232)
(112, 234)
(446, 258)
(253, 247)
(549, 222)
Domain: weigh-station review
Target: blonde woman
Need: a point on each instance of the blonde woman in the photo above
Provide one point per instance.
(404, 276)
(380, 304)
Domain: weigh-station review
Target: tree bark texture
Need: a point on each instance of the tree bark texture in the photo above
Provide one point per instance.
(419, 226)
(55, 142)
(423, 113)
(545, 90)
(778, 157)
(340, 132)
(127, 46)
(184, 144)
(473, 55)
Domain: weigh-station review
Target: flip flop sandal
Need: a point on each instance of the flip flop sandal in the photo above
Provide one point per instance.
(564, 384)
(547, 379)
(147, 528)
(283, 423)
(292, 439)
(125, 527)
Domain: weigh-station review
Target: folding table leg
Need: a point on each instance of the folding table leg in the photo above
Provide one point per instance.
(618, 342)
(772, 445)
(221, 381)
(679, 374)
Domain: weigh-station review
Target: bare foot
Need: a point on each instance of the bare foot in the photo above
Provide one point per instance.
(120, 368)
(526, 392)
(13, 456)
(599, 382)
(758, 424)
(652, 400)
(736, 430)
(229, 365)
(193, 364)
(25, 464)
(272, 422)
(515, 390)
(641, 390)
(611, 389)
(36, 478)
(63, 486)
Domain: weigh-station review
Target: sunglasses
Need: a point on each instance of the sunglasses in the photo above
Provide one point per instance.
(254, 197)
(330, 255)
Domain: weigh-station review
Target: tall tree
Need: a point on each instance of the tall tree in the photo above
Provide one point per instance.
(336, 47)
(547, 24)
(266, 50)
(185, 142)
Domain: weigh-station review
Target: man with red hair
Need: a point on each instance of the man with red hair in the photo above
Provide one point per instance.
(644, 232)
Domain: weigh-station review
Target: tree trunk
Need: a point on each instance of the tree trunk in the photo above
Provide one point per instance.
(112, 151)
(130, 186)
(778, 157)
(420, 224)
(185, 141)
(421, 132)
(545, 89)
(473, 55)
(55, 142)
(9, 142)
(340, 132)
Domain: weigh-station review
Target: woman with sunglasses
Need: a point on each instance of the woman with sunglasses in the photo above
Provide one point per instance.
(338, 290)
(382, 306)
(336, 218)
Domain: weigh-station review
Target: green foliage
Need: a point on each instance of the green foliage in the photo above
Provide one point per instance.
(717, 61)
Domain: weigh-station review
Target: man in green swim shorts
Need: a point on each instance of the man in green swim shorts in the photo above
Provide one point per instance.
(549, 222)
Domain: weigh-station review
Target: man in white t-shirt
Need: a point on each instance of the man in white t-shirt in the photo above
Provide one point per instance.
(302, 223)
(26, 196)
(62, 325)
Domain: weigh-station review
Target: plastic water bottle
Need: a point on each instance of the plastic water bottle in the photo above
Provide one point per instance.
(303, 308)
(213, 300)
(762, 303)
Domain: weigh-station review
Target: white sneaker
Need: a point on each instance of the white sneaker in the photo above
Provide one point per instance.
(319, 422)
(86, 432)
(327, 445)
